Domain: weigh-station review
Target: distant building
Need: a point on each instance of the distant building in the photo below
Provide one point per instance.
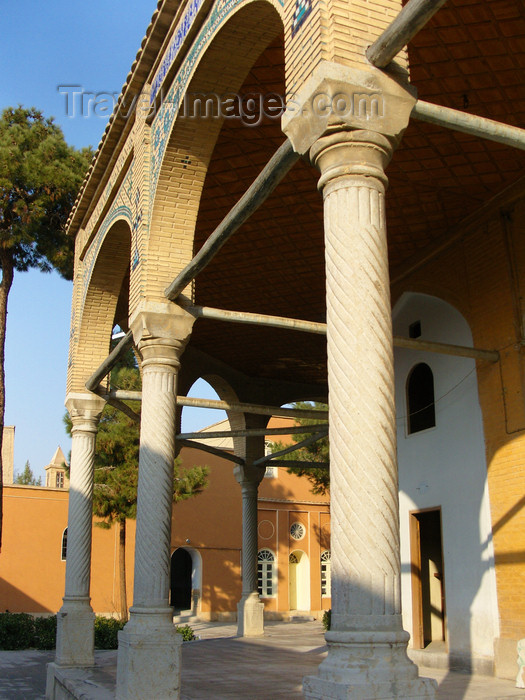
(8, 451)
(56, 471)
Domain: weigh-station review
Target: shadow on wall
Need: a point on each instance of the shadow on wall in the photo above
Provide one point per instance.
(14, 600)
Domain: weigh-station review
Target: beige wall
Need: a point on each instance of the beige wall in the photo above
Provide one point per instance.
(32, 572)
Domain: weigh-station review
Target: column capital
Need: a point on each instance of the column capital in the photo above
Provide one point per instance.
(345, 153)
(249, 477)
(84, 410)
(161, 331)
(338, 96)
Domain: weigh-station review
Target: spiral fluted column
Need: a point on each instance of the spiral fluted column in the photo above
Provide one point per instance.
(249, 536)
(155, 489)
(149, 647)
(250, 609)
(75, 620)
(367, 645)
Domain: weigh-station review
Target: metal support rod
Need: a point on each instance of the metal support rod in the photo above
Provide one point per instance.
(267, 459)
(117, 403)
(246, 317)
(263, 185)
(413, 17)
(298, 463)
(446, 349)
(276, 411)
(110, 361)
(469, 124)
(251, 432)
(123, 395)
(294, 324)
(212, 450)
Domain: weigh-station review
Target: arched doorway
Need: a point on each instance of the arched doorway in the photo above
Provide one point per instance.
(299, 581)
(180, 579)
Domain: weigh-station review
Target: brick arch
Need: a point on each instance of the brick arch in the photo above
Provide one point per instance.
(98, 307)
(227, 59)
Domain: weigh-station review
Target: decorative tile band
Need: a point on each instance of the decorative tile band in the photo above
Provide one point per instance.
(168, 111)
(302, 10)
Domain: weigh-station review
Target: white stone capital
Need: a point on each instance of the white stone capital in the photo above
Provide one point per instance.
(346, 156)
(153, 322)
(342, 96)
(84, 410)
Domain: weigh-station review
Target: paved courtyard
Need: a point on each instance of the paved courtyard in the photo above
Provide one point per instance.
(220, 666)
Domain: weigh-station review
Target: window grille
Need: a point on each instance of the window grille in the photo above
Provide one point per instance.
(266, 573)
(326, 574)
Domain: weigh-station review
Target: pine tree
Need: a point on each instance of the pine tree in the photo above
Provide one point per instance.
(39, 178)
(318, 451)
(27, 478)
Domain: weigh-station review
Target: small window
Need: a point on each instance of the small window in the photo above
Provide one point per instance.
(266, 573)
(414, 330)
(64, 545)
(270, 471)
(297, 531)
(326, 574)
(421, 409)
(60, 480)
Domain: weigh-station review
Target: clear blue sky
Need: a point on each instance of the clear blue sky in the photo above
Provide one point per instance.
(43, 47)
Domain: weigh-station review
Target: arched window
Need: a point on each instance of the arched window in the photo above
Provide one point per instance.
(421, 409)
(64, 545)
(266, 573)
(326, 575)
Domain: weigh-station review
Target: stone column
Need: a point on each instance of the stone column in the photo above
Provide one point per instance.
(250, 609)
(367, 645)
(75, 620)
(149, 647)
(350, 120)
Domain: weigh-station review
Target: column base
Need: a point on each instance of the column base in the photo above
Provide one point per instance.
(250, 616)
(75, 633)
(368, 666)
(149, 656)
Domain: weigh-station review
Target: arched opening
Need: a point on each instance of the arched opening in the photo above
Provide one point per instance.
(183, 149)
(63, 551)
(421, 409)
(106, 295)
(181, 579)
(194, 419)
(299, 581)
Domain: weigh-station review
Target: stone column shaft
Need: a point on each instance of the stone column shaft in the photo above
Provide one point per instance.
(75, 620)
(367, 646)
(364, 490)
(250, 609)
(155, 487)
(249, 537)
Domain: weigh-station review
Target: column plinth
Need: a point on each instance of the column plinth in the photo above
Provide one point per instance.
(149, 652)
(75, 619)
(366, 645)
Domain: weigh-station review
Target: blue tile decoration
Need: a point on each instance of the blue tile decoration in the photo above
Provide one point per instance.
(302, 10)
(166, 115)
